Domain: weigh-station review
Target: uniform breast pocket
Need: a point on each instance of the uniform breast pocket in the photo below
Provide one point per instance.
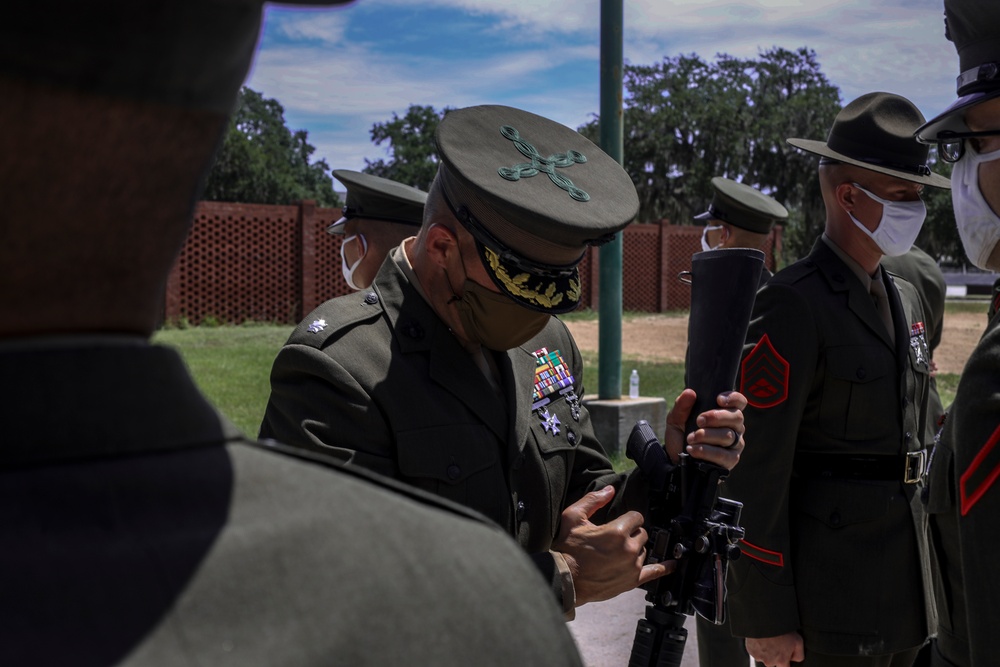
(457, 461)
(859, 393)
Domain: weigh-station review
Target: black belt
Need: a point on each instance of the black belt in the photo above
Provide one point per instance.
(908, 468)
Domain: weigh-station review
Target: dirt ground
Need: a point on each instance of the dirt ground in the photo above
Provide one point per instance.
(664, 338)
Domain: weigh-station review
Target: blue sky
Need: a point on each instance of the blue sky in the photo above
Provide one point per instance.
(337, 71)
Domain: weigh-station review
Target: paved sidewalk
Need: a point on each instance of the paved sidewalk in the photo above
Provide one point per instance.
(604, 631)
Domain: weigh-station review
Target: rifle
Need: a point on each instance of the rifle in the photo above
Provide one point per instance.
(686, 520)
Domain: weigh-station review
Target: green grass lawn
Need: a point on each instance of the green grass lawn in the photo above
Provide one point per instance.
(231, 364)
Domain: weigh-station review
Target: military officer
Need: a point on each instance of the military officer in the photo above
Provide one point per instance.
(452, 374)
(836, 373)
(963, 501)
(379, 214)
(739, 216)
(138, 526)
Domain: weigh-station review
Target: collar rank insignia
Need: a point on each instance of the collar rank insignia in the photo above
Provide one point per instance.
(317, 326)
(918, 341)
(552, 376)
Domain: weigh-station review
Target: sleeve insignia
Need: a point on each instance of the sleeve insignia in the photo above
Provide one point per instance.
(775, 558)
(981, 473)
(764, 376)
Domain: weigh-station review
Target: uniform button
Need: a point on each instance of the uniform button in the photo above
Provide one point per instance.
(371, 298)
(414, 330)
(520, 510)
(571, 437)
(861, 373)
(454, 472)
(835, 519)
(907, 436)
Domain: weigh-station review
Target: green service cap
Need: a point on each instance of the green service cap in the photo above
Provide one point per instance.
(193, 54)
(377, 198)
(876, 132)
(974, 27)
(743, 206)
(534, 194)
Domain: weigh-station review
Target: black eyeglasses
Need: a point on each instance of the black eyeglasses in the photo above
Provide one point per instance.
(951, 145)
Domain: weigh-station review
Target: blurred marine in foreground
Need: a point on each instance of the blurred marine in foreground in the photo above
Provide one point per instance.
(138, 527)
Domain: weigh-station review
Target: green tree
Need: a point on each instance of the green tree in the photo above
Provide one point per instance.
(939, 236)
(409, 140)
(262, 161)
(687, 120)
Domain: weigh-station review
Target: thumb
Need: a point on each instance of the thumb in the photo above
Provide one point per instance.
(586, 507)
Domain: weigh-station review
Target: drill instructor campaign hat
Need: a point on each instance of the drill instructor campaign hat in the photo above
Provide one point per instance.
(974, 27)
(742, 206)
(875, 132)
(376, 198)
(535, 195)
(192, 54)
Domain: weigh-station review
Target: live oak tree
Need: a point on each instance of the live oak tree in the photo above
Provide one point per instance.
(262, 161)
(409, 142)
(687, 120)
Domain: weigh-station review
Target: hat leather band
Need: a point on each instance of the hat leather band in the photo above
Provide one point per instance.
(348, 213)
(483, 236)
(718, 214)
(983, 76)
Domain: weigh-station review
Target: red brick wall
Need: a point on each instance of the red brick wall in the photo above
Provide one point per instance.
(276, 263)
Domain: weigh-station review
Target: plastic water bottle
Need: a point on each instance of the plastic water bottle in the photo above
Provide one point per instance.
(633, 384)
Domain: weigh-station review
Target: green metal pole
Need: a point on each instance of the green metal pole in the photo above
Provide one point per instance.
(609, 369)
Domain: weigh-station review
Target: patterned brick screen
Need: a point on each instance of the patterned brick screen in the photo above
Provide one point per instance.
(276, 263)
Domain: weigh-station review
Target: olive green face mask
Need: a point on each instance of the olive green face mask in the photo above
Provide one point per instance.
(495, 321)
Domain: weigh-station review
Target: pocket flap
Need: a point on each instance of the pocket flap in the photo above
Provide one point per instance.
(447, 453)
(842, 503)
(859, 364)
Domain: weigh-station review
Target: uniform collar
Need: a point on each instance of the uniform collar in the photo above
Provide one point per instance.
(92, 401)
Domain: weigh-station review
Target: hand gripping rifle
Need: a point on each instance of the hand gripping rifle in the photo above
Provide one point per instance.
(687, 521)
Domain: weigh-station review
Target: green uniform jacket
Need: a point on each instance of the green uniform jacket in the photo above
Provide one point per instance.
(834, 559)
(920, 270)
(964, 503)
(385, 385)
(139, 528)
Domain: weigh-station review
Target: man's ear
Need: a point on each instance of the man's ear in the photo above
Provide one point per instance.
(845, 194)
(441, 242)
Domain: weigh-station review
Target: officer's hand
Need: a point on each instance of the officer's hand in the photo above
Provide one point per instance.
(604, 560)
(780, 651)
(719, 438)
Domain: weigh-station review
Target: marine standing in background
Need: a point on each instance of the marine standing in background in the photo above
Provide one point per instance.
(738, 217)
(964, 497)
(920, 270)
(378, 215)
(836, 374)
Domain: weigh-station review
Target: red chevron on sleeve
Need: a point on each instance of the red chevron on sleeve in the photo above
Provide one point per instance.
(764, 376)
(775, 558)
(981, 473)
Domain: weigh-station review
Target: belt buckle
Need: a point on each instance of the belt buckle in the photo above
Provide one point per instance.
(915, 466)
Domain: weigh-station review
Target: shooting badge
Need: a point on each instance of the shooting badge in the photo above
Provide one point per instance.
(918, 341)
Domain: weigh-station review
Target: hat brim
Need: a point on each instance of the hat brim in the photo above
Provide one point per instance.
(704, 217)
(337, 227)
(952, 119)
(820, 148)
(553, 294)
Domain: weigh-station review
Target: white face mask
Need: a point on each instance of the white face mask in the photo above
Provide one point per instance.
(900, 224)
(978, 224)
(348, 271)
(704, 237)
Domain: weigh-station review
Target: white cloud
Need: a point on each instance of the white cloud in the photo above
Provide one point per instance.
(341, 86)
